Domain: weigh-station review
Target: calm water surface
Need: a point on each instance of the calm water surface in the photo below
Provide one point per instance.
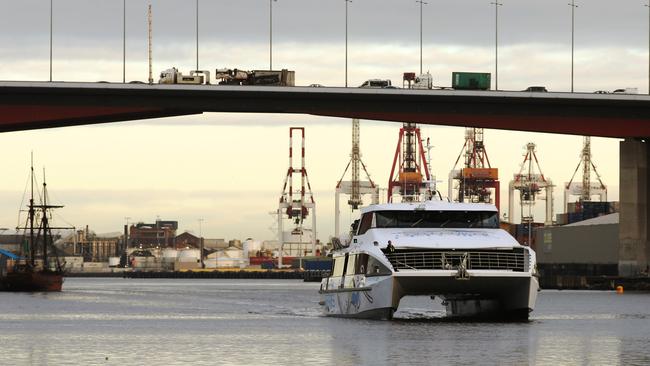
(256, 322)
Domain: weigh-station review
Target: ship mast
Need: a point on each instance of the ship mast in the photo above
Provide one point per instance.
(32, 248)
(45, 224)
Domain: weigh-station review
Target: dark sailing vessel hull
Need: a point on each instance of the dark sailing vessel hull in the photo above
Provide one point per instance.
(32, 281)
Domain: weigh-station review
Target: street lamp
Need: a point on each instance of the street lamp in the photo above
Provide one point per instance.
(496, 44)
(51, 16)
(346, 41)
(201, 243)
(197, 34)
(271, 33)
(421, 4)
(648, 6)
(573, 8)
(123, 41)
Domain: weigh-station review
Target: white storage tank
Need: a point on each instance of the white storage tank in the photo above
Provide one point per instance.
(231, 258)
(188, 255)
(251, 247)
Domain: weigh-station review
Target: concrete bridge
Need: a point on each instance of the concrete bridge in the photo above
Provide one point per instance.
(33, 105)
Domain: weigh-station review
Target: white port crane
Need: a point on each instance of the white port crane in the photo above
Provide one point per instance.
(585, 189)
(354, 187)
(530, 181)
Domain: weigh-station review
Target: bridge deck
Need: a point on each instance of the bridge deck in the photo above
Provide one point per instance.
(29, 105)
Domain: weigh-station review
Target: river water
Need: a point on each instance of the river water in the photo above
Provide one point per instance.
(260, 322)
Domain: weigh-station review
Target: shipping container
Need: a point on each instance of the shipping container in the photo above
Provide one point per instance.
(480, 173)
(470, 80)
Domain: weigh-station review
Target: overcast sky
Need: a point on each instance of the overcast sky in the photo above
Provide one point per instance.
(229, 168)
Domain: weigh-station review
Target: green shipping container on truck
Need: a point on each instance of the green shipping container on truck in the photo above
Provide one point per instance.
(470, 80)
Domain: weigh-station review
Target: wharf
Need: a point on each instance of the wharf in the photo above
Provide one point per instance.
(603, 283)
(307, 276)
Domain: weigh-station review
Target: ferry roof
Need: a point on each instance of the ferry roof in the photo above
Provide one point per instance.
(430, 206)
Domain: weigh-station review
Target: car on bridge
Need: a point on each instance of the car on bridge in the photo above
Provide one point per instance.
(536, 89)
(376, 83)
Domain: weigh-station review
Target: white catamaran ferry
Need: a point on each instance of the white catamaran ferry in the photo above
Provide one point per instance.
(453, 251)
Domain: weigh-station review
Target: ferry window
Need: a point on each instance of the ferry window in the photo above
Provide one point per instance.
(365, 224)
(345, 264)
(437, 219)
(376, 268)
(349, 269)
(361, 264)
(339, 263)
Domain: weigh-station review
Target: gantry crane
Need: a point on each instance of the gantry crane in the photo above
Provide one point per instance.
(530, 182)
(296, 209)
(409, 176)
(354, 187)
(475, 181)
(586, 189)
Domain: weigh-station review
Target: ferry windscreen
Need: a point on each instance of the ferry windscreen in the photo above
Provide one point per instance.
(437, 219)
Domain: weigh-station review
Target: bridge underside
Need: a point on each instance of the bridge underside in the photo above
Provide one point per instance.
(19, 118)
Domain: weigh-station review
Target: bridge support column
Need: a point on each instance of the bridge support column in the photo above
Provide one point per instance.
(634, 245)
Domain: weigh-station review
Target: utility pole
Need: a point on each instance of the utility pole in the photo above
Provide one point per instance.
(496, 44)
(123, 41)
(421, 4)
(51, 19)
(197, 34)
(573, 8)
(201, 242)
(648, 6)
(346, 41)
(150, 40)
(271, 34)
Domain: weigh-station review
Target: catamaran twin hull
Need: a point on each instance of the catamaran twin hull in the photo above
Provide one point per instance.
(505, 295)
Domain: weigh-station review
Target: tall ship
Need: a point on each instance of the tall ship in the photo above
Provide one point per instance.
(452, 251)
(38, 268)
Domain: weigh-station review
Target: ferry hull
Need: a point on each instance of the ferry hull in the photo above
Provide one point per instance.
(371, 299)
(505, 296)
(508, 296)
(33, 281)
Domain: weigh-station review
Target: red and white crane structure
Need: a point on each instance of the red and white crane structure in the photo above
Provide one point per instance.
(410, 176)
(476, 180)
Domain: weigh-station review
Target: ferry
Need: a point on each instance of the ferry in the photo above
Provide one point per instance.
(453, 251)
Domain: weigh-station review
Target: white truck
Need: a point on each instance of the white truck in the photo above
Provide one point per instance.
(173, 76)
(282, 77)
(376, 83)
(424, 81)
(230, 77)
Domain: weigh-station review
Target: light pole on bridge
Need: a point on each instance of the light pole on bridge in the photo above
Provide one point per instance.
(123, 41)
(197, 34)
(422, 3)
(271, 33)
(346, 41)
(648, 6)
(573, 8)
(51, 18)
(496, 43)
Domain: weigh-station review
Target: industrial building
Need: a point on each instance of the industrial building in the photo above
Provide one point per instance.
(160, 234)
(584, 248)
(90, 246)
